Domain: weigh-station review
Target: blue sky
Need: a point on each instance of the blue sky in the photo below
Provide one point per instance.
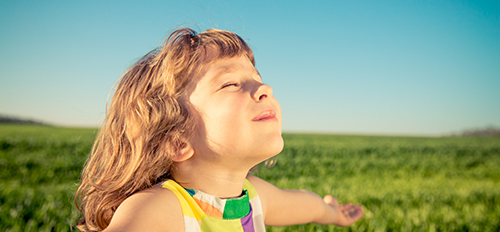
(371, 67)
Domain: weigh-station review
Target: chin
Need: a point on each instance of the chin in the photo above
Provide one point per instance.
(277, 146)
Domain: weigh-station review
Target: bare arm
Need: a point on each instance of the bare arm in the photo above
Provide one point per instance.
(154, 209)
(290, 207)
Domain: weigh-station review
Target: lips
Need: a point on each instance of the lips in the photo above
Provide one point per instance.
(265, 115)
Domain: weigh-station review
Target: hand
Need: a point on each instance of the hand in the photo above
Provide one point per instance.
(346, 214)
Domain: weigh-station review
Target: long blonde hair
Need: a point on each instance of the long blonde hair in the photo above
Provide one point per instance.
(146, 122)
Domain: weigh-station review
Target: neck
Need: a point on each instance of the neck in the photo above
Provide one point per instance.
(212, 179)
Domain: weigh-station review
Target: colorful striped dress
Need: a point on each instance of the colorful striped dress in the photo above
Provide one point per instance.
(203, 212)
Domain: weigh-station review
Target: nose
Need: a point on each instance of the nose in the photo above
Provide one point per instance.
(263, 91)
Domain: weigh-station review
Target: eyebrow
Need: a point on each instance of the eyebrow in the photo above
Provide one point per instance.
(222, 71)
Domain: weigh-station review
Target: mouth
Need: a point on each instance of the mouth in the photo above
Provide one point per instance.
(266, 116)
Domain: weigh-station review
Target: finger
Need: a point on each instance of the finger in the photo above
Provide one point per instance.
(330, 200)
(356, 213)
(351, 211)
(346, 207)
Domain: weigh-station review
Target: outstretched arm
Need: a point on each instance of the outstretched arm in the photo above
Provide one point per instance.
(291, 207)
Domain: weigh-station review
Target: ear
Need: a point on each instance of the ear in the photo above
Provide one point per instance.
(184, 152)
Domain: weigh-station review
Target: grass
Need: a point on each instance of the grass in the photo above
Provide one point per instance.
(39, 171)
(403, 183)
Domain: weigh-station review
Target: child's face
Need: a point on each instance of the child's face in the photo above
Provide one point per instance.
(238, 118)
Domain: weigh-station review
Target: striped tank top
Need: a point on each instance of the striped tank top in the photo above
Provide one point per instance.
(204, 213)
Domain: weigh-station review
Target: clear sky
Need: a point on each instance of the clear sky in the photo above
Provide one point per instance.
(376, 67)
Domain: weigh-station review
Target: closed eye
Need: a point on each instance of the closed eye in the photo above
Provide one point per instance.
(229, 84)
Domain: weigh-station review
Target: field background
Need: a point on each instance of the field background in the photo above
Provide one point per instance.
(403, 183)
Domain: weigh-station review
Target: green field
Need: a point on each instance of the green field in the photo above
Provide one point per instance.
(403, 183)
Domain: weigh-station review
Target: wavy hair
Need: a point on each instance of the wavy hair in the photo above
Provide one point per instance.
(147, 121)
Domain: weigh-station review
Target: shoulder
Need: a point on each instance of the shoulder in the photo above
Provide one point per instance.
(259, 184)
(265, 190)
(153, 209)
(262, 186)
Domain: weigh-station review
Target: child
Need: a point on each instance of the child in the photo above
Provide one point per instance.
(186, 124)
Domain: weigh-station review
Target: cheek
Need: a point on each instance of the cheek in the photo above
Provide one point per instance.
(230, 108)
(226, 117)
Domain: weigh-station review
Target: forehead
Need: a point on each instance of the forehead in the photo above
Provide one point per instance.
(235, 65)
